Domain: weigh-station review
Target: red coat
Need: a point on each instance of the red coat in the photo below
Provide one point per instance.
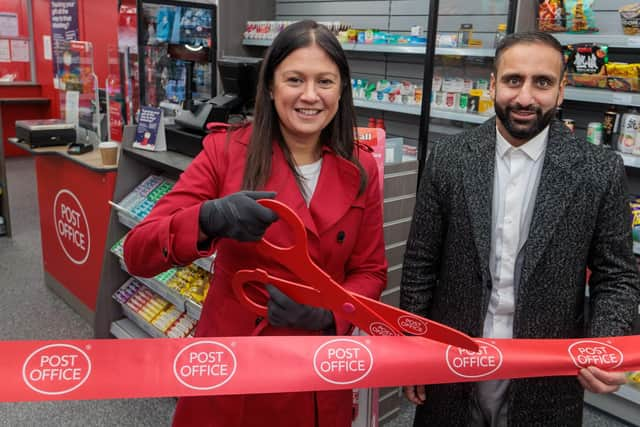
(168, 236)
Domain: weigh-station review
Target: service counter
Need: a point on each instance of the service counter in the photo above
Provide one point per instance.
(73, 196)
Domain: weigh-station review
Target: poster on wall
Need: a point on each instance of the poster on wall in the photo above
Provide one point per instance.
(19, 51)
(5, 53)
(9, 24)
(64, 27)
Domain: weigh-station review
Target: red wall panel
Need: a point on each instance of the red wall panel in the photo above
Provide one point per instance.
(98, 22)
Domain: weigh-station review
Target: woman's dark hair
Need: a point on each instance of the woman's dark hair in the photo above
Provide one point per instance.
(338, 134)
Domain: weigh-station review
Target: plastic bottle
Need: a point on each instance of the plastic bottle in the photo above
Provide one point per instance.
(380, 123)
(501, 33)
(372, 122)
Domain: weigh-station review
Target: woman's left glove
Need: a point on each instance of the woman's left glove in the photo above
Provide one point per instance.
(285, 312)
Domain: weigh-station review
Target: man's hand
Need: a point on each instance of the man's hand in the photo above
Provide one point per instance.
(414, 394)
(598, 381)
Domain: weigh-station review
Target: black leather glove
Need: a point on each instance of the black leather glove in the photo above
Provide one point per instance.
(237, 216)
(285, 312)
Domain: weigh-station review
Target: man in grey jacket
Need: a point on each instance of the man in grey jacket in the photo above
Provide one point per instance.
(508, 218)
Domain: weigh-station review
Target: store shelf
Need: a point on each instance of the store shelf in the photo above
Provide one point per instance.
(630, 160)
(611, 40)
(126, 329)
(142, 324)
(490, 53)
(461, 117)
(160, 159)
(389, 48)
(415, 110)
(193, 309)
(624, 404)
(601, 96)
(205, 263)
(161, 289)
(128, 220)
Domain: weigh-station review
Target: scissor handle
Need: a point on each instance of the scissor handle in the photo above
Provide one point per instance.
(296, 291)
(240, 280)
(285, 213)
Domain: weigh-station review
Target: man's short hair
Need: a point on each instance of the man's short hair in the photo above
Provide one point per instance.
(528, 38)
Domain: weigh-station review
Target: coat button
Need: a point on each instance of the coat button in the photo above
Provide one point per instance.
(165, 252)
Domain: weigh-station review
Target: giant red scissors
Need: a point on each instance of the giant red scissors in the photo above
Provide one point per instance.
(317, 288)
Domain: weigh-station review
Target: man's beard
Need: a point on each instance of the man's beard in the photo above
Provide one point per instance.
(515, 128)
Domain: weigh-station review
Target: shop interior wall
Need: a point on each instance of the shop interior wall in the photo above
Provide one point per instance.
(20, 69)
(98, 23)
(398, 16)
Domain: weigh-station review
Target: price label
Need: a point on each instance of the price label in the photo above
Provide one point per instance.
(622, 99)
(633, 41)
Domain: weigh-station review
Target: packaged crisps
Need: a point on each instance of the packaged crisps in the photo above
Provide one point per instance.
(586, 64)
(623, 77)
(579, 15)
(630, 19)
(551, 16)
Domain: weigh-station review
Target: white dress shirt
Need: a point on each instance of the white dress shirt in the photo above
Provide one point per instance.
(515, 184)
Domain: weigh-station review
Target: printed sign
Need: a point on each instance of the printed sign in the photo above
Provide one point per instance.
(150, 130)
(64, 27)
(72, 227)
(205, 365)
(150, 368)
(56, 369)
(412, 325)
(469, 364)
(594, 353)
(343, 361)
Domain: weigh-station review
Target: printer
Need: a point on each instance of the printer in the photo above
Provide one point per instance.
(45, 132)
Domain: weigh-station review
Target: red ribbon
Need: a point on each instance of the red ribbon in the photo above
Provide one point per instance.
(108, 369)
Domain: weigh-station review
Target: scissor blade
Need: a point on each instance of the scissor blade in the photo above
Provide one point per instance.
(416, 325)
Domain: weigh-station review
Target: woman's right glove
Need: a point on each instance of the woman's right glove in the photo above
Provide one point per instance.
(238, 216)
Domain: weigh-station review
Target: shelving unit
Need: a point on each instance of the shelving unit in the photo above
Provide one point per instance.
(630, 160)
(625, 403)
(389, 48)
(415, 111)
(611, 40)
(126, 329)
(601, 96)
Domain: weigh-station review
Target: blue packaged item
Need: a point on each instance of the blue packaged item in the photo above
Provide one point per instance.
(164, 19)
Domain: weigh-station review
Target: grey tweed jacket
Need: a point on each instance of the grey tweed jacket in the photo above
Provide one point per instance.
(581, 219)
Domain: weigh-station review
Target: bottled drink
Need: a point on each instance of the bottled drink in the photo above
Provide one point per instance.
(501, 33)
(610, 125)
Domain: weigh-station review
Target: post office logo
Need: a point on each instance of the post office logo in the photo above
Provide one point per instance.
(343, 361)
(204, 365)
(72, 227)
(412, 325)
(593, 353)
(380, 329)
(56, 369)
(468, 364)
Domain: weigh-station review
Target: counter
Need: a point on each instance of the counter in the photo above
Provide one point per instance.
(73, 196)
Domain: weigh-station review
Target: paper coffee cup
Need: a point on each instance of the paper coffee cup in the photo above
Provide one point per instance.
(109, 153)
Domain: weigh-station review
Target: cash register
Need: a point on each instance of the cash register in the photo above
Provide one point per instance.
(239, 77)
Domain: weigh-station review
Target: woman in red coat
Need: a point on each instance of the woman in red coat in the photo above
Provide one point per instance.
(300, 150)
